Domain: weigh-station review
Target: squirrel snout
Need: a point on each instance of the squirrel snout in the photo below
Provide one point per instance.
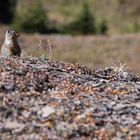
(12, 33)
(17, 34)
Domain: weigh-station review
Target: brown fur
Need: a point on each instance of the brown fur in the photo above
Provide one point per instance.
(10, 46)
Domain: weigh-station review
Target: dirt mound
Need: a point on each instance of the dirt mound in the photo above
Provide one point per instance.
(43, 99)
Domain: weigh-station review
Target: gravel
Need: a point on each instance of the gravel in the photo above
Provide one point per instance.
(42, 99)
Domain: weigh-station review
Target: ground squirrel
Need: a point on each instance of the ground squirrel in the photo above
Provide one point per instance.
(10, 46)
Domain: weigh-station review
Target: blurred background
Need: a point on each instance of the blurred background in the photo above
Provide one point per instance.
(91, 32)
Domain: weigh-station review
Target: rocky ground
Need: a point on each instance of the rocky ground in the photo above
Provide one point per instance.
(45, 100)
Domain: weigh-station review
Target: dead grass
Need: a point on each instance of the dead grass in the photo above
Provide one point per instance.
(93, 51)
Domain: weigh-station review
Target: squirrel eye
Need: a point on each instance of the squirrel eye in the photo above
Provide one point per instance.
(14, 32)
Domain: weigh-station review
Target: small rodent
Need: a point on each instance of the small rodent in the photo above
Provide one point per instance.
(10, 46)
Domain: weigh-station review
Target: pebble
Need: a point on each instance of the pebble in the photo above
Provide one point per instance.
(14, 125)
(46, 111)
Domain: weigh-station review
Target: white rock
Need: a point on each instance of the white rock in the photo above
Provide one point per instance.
(46, 111)
(26, 114)
(14, 125)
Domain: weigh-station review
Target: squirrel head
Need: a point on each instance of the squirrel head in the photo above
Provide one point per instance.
(12, 34)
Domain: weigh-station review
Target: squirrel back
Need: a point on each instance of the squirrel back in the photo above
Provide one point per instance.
(10, 46)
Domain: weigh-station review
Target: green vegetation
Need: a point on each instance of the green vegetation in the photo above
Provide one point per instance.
(32, 19)
(101, 27)
(85, 23)
(120, 16)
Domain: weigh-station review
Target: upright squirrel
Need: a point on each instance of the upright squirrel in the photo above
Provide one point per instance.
(10, 46)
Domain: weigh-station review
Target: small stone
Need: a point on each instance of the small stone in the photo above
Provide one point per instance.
(48, 124)
(14, 125)
(77, 102)
(46, 111)
(26, 114)
(125, 130)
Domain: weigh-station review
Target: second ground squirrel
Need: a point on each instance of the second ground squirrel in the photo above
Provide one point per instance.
(10, 46)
